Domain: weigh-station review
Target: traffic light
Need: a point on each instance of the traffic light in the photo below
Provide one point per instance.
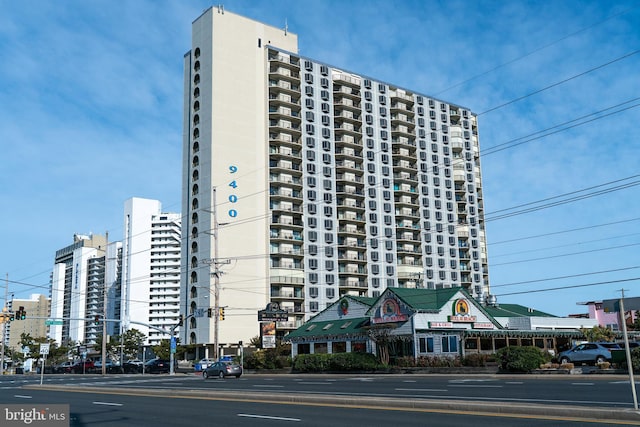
(12, 317)
(96, 319)
(181, 320)
(22, 313)
(209, 312)
(221, 313)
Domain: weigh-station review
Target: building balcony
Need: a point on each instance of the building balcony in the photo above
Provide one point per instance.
(292, 168)
(407, 213)
(281, 153)
(276, 193)
(405, 141)
(286, 223)
(348, 153)
(353, 217)
(349, 103)
(349, 178)
(402, 131)
(286, 113)
(290, 139)
(403, 154)
(278, 295)
(288, 180)
(351, 230)
(349, 203)
(346, 80)
(346, 115)
(356, 193)
(357, 244)
(286, 280)
(405, 177)
(277, 72)
(360, 258)
(277, 86)
(349, 165)
(346, 91)
(400, 165)
(286, 208)
(352, 141)
(291, 265)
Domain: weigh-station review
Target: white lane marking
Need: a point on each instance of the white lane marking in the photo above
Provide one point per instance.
(434, 390)
(267, 417)
(514, 382)
(107, 403)
(582, 383)
(314, 383)
(475, 386)
(409, 381)
(268, 386)
(22, 396)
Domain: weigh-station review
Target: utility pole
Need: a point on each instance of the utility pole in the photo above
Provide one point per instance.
(216, 280)
(627, 350)
(104, 307)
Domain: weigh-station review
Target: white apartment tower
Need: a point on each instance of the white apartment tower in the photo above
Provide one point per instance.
(77, 283)
(326, 183)
(150, 291)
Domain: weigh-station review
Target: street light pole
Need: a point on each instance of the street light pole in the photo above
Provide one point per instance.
(104, 307)
(216, 280)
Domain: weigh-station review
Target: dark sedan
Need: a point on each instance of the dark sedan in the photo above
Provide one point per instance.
(222, 369)
(157, 366)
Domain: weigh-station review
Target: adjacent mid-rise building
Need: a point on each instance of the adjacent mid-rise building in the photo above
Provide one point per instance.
(150, 269)
(77, 283)
(303, 181)
(35, 308)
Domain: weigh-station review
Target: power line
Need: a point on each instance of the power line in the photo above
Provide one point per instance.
(484, 73)
(571, 276)
(569, 254)
(562, 288)
(563, 231)
(560, 82)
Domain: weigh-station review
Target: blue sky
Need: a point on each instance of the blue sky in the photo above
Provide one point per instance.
(91, 109)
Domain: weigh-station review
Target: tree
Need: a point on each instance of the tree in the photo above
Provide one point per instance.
(598, 333)
(132, 340)
(162, 351)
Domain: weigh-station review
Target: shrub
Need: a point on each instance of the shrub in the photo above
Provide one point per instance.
(266, 359)
(520, 359)
(339, 362)
(475, 360)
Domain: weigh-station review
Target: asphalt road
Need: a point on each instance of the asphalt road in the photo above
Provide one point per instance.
(336, 400)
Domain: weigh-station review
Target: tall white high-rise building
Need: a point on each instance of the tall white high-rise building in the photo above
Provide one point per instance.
(77, 283)
(322, 182)
(150, 290)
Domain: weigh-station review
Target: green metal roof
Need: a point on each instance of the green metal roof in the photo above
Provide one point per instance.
(353, 326)
(514, 310)
(425, 299)
(364, 300)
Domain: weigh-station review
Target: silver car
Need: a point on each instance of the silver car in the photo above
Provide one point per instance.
(221, 370)
(591, 352)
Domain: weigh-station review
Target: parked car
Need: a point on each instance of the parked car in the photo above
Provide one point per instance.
(222, 369)
(157, 366)
(132, 367)
(111, 367)
(63, 368)
(204, 363)
(86, 367)
(590, 352)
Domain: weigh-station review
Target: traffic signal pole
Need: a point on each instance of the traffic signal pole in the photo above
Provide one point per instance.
(4, 325)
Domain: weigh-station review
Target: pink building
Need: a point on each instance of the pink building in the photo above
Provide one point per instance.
(609, 320)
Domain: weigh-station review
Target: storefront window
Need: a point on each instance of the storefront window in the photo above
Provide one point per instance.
(425, 345)
(339, 347)
(320, 348)
(449, 344)
(358, 347)
(304, 348)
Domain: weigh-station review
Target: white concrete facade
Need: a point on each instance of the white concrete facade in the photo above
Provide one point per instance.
(150, 268)
(326, 182)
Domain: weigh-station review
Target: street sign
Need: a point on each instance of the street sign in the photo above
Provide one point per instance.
(173, 345)
(50, 322)
(44, 349)
(198, 312)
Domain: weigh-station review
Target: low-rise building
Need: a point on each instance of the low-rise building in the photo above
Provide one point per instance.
(430, 322)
